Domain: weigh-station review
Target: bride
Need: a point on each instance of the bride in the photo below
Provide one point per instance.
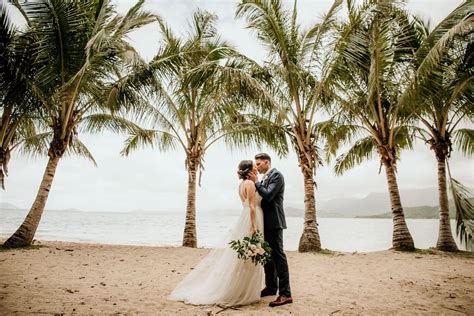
(222, 278)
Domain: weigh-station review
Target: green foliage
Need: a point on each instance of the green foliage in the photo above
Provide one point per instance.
(300, 65)
(463, 201)
(375, 62)
(464, 140)
(254, 248)
(201, 91)
(19, 105)
(78, 55)
(362, 150)
(441, 93)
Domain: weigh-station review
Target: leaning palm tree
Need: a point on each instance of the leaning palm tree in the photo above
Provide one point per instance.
(375, 65)
(443, 94)
(202, 91)
(80, 53)
(300, 62)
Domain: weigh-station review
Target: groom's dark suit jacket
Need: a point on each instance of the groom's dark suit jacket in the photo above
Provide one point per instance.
(271, 189)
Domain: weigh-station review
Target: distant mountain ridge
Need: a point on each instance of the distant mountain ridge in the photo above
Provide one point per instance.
(379, 203)
(417, 203)
(421, 212)
(12, 207)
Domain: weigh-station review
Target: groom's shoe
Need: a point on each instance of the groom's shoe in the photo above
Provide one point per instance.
(281, 300)
(267, 292)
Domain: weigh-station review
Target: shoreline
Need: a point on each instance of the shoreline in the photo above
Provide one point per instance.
(44, 243)
(65, 277)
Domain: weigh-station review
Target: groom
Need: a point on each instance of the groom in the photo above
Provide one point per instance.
(271, 188)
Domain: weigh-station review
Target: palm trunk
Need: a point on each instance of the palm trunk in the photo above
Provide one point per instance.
(401, 239)
(309, 240)
(190, 236)
(3, 167)
(445, 238)
(25, 233)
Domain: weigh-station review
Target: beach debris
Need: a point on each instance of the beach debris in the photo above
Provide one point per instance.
(71, 291)
(224, 308)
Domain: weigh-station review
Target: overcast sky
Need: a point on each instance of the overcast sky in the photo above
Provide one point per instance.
(150, 180)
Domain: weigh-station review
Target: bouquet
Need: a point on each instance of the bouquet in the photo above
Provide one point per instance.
(254, 248)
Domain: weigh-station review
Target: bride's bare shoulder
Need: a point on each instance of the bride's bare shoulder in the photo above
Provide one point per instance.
(249, 183)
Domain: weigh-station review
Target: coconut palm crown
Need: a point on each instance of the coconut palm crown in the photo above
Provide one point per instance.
(80, 54)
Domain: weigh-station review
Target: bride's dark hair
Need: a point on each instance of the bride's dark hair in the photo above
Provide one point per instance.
(244, 168)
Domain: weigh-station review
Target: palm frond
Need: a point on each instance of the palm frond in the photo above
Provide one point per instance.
(315, 38)
(153, 138)
(271, 22)
(250, 130)
(34, 145)
(100, 122)
(77, 148)
(135, 18)
(334, 135)
(361, 151)
(440, 52)
(463, 202)
(464, 140)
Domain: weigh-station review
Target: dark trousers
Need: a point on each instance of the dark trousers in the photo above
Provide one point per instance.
(277, 276)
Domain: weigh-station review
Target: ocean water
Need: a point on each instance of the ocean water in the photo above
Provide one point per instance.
(166, 229)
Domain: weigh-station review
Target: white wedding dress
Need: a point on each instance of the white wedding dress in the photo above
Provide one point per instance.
(221, 278)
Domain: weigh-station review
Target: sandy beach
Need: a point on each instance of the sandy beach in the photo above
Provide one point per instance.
(68, 278)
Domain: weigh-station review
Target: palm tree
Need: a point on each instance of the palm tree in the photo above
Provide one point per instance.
(201, 91)
(376, 61)
(300, 62)
(19, 107)
(442, 93)
(80, 53)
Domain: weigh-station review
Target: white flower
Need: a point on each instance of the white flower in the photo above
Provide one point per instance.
(253, 247)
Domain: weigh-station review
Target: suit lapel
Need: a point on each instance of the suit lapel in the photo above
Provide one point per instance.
(265, 183)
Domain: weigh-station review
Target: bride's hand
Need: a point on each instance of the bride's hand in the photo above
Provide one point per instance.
(252, 177)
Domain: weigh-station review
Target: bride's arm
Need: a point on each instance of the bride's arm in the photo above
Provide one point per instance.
(250, 188)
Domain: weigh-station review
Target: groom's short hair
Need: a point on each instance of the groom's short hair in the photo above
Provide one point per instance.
(263, 156)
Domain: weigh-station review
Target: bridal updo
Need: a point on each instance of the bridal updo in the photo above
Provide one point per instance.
(244, 168)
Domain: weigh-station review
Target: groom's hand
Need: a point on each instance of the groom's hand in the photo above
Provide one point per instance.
(252, 176)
